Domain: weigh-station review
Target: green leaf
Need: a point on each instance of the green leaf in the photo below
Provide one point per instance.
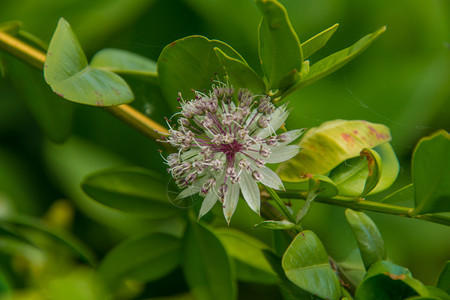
(306, 264)
(190, 64)
(385, 280)
(251, 264)
(53, 114)
(81, 283)
(144, 258)
(436, 293)
(370, 242)
(7, 232)
(431, 174)
(206, 265)
(374, 165)
(276, 225)
(5, 286)
(67, 169)
(279, 47)
(335, 61)
(352, 175)
(401, 195)
(132, 190)
(126, 63)
(317, 184)
(68, 74)
(62, 236)
(316, 43)
(325, 186)
(33, 40)
(326, 146)
(289, 290)
(240, 74)
(444, 278)
(10, 27)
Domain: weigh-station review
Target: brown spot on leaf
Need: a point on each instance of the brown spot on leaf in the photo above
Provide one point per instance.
(378, 135)
(370, 160)
(355, 131)
(348, 138)
(172, 44)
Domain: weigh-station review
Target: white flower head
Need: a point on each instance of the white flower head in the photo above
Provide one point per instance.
(225, 139)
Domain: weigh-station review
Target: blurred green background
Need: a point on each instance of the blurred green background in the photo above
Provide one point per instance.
(402, 81)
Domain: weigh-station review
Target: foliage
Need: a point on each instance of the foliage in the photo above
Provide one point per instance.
(124, 233)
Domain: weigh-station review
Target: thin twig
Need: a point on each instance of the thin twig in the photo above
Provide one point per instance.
(361, 204)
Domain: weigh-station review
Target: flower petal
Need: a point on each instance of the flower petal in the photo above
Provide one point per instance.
(250, 191)
(271, 179)
(212, 196)
(209, 201)
(189, 154)
(231, 201)
(283, 153)
(276, 120)
(189, 191)
(293, 135)
(192, 189)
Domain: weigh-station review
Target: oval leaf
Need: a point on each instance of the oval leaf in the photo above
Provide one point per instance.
(281, 225)
(370, 242)
(444, 278)
(374, 170)
(144, 258)
(435, 293)
(328, 145)
(190, 64)
(81, 283)
(131, 190)
(10, 27)
(306, 264)
(125, 62)
(317, 42)
(68, 74)
(352, 176)
(206, 265)
(247, 252)
(325, 186)
(335, 61)
(431, 174)
(62, 236)
(279, 46)
(385, 280)
(401, 195)
(240, 74)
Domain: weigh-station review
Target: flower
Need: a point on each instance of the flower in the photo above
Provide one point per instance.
(225, 140)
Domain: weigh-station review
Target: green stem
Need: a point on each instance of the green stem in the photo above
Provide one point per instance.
(280, 205)
(305, 208)
(359, 204)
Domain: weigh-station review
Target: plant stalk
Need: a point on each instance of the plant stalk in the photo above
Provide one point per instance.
(126, 113)
(360, 204)
(280, 205)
